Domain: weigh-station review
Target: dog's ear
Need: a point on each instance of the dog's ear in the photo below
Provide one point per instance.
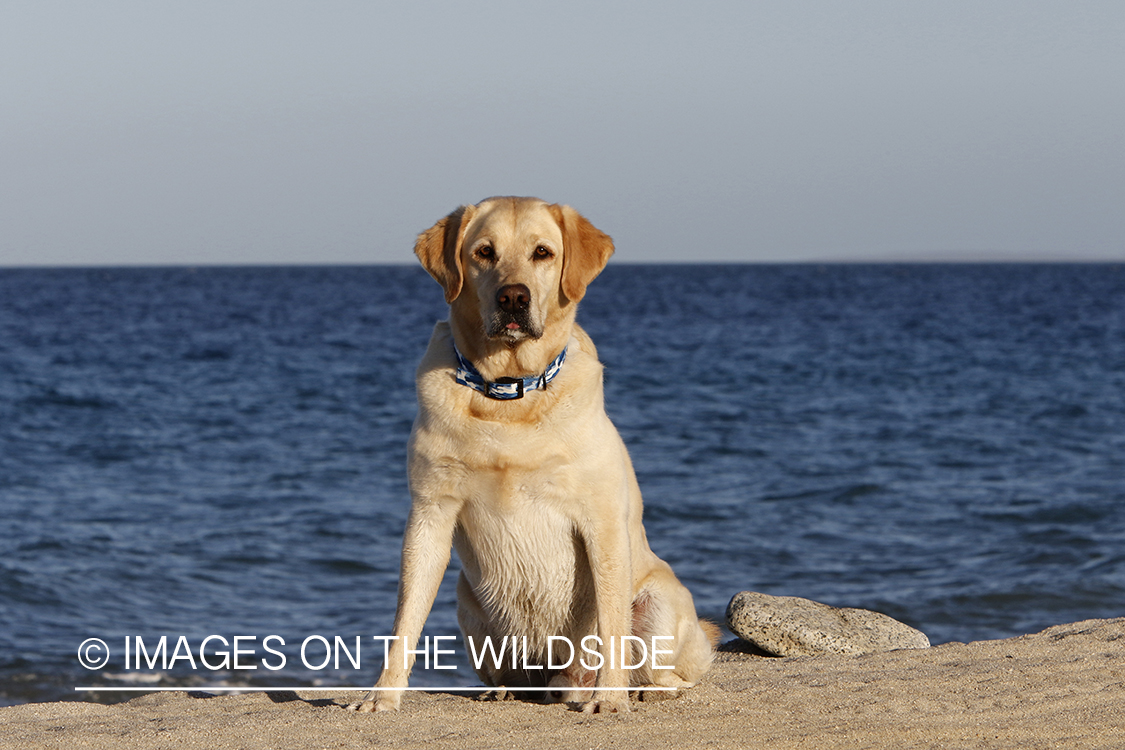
(586, 249)
(439, 249)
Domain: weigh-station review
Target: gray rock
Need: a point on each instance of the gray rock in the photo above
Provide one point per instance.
(789, 626)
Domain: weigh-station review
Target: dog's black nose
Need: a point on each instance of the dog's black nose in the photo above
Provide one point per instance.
(513, 298)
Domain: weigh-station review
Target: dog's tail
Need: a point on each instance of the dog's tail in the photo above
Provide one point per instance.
(712, 631)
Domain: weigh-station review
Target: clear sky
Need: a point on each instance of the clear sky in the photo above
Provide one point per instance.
(159, 132)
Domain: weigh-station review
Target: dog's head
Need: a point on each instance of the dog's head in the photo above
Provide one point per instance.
(515, 262)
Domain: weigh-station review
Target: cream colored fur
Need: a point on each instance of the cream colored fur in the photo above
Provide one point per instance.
(538, 494)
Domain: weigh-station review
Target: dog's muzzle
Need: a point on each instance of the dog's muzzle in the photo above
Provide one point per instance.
(512, 316)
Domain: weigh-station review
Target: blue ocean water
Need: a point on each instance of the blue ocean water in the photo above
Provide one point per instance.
(220, 451)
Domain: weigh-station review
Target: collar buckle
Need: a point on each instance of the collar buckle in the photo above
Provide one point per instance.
(507, 394)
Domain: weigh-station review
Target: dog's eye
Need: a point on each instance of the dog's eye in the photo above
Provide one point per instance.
(542, 253)
(486, 252)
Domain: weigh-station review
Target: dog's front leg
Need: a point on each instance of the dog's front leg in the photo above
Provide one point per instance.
(608, 549)
(425, 555)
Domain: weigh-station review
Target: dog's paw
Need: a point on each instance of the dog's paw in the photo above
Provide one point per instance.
(497, 694)
(568, 696)
(571, 688)
(606, 706)
(374, 706)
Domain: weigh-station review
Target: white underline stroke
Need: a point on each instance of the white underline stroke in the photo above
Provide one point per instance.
(212, 689)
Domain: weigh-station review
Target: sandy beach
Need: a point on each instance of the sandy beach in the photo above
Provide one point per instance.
(1064, 687)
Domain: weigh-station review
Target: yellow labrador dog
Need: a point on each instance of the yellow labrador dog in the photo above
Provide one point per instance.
(513, 460)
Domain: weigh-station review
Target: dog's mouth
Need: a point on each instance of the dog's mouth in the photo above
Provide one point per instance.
(513, 326)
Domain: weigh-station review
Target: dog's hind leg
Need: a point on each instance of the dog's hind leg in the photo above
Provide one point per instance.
(665, 608)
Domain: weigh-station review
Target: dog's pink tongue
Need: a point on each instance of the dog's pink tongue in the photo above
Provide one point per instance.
(513, 326)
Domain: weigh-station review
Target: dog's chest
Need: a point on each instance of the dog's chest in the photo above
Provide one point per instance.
(527, 567)
(520, 549)
(519, 517)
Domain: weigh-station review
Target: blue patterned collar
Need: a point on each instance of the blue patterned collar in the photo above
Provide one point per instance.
(505, 389)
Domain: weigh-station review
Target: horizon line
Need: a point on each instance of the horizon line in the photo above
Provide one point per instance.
(414, 264)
